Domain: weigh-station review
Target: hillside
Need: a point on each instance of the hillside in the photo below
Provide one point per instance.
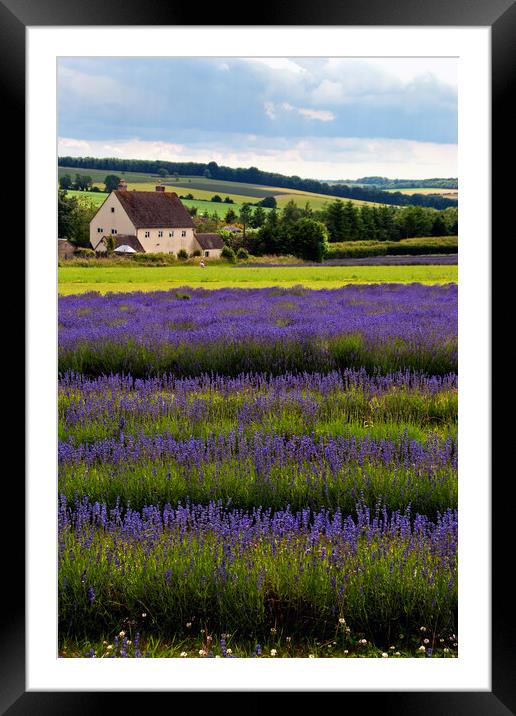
(250, 176)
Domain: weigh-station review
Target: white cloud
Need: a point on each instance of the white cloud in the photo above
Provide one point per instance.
(321, 115)
(67, 143)
(278, 63)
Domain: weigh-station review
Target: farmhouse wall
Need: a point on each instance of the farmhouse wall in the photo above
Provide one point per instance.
(109, 220)
(166, 244)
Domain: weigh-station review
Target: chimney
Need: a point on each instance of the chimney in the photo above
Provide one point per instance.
(160, 187)
(122, 185)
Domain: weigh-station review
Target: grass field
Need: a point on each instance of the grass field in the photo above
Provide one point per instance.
(450, 193)
(95, 198)
(137, 278)
(203, 188)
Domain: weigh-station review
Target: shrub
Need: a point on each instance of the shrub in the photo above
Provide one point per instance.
(197, 252)
(228, 253)
(182, 254)
(84, 253)
(242, 253)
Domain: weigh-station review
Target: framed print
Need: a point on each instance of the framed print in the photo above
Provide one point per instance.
(40, 42)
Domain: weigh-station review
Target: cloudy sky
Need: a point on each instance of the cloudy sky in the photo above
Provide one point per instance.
(324, 118)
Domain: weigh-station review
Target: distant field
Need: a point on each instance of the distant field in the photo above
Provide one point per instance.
(203, 188)
(211, 207)
(93, 197)
(450, 193)
(137, 278)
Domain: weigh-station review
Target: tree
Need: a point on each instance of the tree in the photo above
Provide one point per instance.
(65, 215)
(162, 172)
(335, 220)
(207, 174)
(415, 221)
(73, 219)
(231, 216)
(216, 198)
(291, 212)
(110, 244)
(309, 239)
(259, 217)
(269, 202)
(65, 181)
(439, 226)
(353, 224)
(245, 215)
(228, 200)
(111, 183)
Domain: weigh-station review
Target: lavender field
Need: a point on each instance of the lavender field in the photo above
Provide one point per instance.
(259, 473)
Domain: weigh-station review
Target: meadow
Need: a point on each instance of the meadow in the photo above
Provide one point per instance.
(258, 473)
(134, 277)
(203, 189)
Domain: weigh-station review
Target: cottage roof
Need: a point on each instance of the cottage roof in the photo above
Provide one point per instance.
(155, 209)
(209, 241)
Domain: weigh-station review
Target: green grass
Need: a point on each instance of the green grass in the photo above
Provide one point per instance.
(92, 197)
(201, 642)
(138, 278)
(202, 188)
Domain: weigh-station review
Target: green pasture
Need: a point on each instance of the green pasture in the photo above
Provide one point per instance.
(424, 190)
(158, 278)
(203, 188)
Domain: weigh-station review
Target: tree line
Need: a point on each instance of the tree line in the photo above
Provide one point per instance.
(253, 175)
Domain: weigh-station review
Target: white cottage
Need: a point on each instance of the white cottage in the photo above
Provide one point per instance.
(150, 222)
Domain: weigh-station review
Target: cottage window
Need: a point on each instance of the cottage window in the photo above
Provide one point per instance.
(160, 234)
(112, 209)
(206, 253)
(114, 231)
(99, 230)
(147, 234)
(171, 234)
(183, 233)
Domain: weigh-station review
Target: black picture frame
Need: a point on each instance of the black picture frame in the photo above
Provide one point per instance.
(500, 16)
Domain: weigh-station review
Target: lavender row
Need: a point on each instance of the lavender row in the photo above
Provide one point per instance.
(229, 331)
(265, 470)
(241, 571)
(263, 451)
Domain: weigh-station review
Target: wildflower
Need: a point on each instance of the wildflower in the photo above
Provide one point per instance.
(446, 650)
(422, 648)
(397, 654)
(392, 648)
(202, 652)
(183, 653)
(188, 625)
(342, 620)
(311, 656)
(228, 651)
(422, 628)
(109, 647)
(348, 630)
(144, 614)
(346, 651)
(273, 630)
(129, 642)
(363, 641)
(122, 634)
(289, 639)
(91, 595)
(385, 655)
(426, 641)
(273, 652)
